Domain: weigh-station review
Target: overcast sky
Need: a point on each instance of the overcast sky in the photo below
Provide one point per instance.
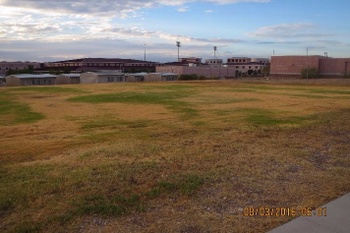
(52, 30)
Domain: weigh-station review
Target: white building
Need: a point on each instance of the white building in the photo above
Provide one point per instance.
(30, 79)
(102, 77)
(214, 62)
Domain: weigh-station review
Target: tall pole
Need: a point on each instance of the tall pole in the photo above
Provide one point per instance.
(178, 44)
(215, 48)
(307, 61)
(144, 53)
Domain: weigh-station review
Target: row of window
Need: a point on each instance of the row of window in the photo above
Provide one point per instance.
(13, 68)
(115, 79)
(38, 82)
(99, 64)
(237, 60)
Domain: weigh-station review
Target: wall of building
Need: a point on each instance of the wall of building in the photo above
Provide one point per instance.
(2, 82)
(334, 66)
(292, 65)
(14, 80)
(88, 78)
(206, 71)
(6, 66)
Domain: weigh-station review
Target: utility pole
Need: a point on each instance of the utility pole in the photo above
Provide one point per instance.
(178, 44)
(307, 61)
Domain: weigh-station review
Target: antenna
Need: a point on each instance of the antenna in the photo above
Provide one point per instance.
(178, 44)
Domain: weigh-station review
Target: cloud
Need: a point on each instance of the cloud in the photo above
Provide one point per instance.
(120, 8)
(183, 9)
(287, 31)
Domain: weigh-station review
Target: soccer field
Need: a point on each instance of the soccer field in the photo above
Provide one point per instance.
(170, 157)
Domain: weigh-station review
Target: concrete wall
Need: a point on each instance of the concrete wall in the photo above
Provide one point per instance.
(18, 81)
(334, 66)
(88, 78)
(61, 79)
(292, 65)
(153, 78)
(206, 71)
(12, 81)
(327, 67)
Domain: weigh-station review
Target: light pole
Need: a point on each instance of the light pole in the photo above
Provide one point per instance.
(307, 61)
(178, 44)
(144, 53)
(215, 49)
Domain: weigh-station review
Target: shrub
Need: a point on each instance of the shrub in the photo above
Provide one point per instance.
(309, 73)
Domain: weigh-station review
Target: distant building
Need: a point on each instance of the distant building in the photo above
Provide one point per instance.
(151, 77)
(7, 66)
(2, 81)
(30, 79)
(237, 60)
(68, 79)
(193, 60)
(246, 66)
(263, 61)
(97, 64)
(291, 66)
(102, 77)
(214, 62)
(205, 71)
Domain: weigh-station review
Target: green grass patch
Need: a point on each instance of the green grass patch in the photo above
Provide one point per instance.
(114, 123)
(13, 112)
(45, 89)
(110, 206)
(171, 100)
(184, 184)
(263, 117)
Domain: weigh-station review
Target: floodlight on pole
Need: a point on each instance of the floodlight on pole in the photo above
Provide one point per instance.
(215, 49)
(178, 44)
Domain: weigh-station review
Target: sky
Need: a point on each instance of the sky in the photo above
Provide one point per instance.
(55, 30)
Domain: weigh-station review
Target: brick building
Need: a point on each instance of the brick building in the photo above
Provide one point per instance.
(97, 64)
(6, 66)
(291, 66)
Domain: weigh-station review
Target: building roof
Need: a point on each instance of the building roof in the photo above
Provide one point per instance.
(138, 74)
(106, 72)
(104, 60)
(25, 76)
(71, 75)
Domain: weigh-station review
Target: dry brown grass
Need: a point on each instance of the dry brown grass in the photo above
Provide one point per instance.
(171, 157)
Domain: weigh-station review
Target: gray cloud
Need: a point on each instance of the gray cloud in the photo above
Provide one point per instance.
(287, 31)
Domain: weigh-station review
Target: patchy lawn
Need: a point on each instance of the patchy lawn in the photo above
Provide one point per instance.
(169, 157)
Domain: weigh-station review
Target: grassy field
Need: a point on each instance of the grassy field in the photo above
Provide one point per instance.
(169, 157)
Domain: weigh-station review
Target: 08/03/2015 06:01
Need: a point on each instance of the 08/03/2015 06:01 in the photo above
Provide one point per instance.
(284, 212)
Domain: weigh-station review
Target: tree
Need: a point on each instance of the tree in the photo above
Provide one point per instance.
(309, 73)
